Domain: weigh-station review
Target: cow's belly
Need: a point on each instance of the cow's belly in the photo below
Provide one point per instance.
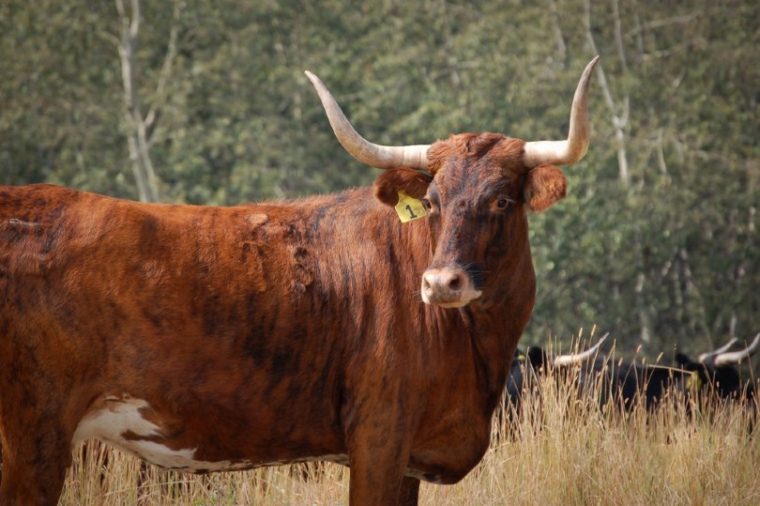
(122, 422)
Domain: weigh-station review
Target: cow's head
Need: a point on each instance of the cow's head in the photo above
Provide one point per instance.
(717, 371)
(476, 189)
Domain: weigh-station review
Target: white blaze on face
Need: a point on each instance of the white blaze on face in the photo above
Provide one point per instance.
(122, 415)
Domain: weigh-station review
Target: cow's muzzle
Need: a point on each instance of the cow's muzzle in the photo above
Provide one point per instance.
(448, 287)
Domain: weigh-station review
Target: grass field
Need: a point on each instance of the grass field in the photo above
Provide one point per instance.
(563, 449)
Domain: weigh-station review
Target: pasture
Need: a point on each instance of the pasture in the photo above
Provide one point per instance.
(563, 449)
(269, 328)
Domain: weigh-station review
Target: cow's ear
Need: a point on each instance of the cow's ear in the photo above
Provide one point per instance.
(544, 185)
(410, 181)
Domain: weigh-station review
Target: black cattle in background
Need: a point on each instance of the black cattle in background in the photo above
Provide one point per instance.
(628, 384)
(528, 366)
(717, 372)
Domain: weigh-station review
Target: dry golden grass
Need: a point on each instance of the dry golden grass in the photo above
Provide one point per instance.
(562, 450)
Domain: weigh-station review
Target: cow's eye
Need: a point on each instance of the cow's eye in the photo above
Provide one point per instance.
(503, 203)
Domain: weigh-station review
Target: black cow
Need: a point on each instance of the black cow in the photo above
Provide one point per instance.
(717, 372)
(629, 383)
(527, 366)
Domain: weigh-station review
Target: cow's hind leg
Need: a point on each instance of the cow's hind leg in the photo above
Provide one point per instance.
(36, 453)
(34, 471)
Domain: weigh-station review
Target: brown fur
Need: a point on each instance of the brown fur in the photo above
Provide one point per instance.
(390, 182)
(545, 185)
(271, 332)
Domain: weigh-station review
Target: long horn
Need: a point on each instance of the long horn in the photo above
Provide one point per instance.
(577, 358)
(382, 157)
(704, 356)
(735, 357)
(571, 150)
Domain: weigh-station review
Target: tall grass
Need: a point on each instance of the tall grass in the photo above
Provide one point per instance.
(562, 448)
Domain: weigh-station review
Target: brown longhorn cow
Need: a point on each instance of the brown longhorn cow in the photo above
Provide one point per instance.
(214, 339)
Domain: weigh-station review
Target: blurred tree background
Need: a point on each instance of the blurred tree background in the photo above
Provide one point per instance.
(206, 102)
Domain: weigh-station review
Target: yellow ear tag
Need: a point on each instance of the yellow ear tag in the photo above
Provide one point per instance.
(409, 208)
(694, 382)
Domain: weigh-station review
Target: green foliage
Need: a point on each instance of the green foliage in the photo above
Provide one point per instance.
(669, 257)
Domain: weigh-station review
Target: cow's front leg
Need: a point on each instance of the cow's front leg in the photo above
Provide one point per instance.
(379, 431)
(378, 457)
(410, 489)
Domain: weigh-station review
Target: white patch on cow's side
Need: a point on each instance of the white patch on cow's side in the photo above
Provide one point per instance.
(121, 415)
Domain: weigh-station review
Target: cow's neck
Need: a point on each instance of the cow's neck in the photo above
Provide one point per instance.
(485, 330)
(493, 331)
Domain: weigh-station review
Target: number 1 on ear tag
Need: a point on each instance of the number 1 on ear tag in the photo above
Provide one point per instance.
(409, 208)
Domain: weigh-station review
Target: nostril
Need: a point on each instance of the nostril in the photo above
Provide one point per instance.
(425, 283)
(455, 283)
